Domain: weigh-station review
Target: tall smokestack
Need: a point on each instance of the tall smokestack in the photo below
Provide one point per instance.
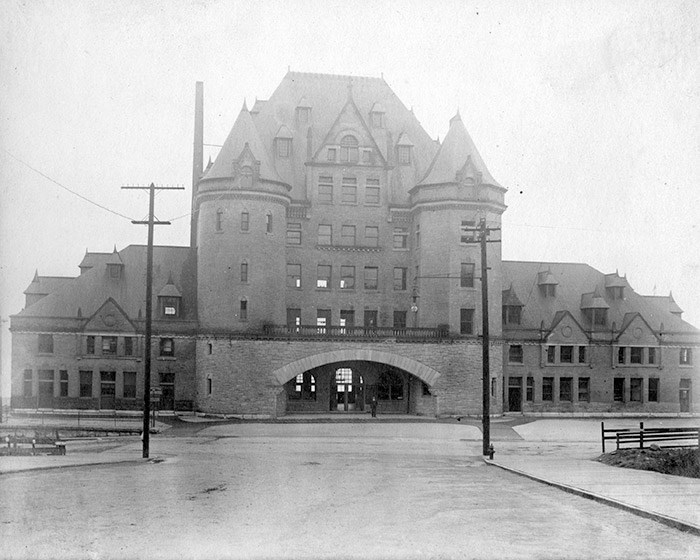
(198, 157)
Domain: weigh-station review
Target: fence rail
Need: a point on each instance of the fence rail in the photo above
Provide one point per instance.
(335, 331)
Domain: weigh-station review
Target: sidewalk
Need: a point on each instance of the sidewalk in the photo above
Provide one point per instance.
(672, 500)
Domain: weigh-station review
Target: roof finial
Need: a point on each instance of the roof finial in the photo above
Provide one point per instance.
(245, 105)
(349, 87)
(36, 275)
(170, 278)
(115, 248)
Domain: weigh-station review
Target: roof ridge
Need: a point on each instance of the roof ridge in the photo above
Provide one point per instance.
(334, 76)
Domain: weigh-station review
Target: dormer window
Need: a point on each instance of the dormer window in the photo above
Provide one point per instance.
(404, 155)
(595, 308)
(548, 290)
(512, 314)
(115, 270)
(349, 150)
(377, 120)
(284, 147)
(616, 292)
(332, 154)
(303, 115)
(170, 306)
(247, 177)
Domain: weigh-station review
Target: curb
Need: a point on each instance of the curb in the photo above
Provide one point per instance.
(658, 517)
(58, 467)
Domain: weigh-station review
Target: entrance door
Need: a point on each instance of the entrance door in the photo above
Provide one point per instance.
(515, 394)
(108, 389)
(45, 388)
(684, 395)
(345, 390)
(167, 384)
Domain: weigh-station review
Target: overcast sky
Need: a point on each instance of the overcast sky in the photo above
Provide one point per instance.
(588, 112)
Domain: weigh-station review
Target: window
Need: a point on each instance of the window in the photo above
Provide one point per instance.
(115, 270)
(210, 348)
(371, 236)
(400, 274)
(494, 385)
(45, 344)
(247, 177)
(63, 383)
(377, 119)
(548, 290)
(209, 386)
(372, 191)
(169, 306)
(305, 387)
(325, 189)
(347, 319)
(466, 275)
(565, 389)
(293, 234)
(27, 383)
(425, 389)
(400, 238)
(129, 387)
(467, 236)
(219, 220)
(530, 389)
(323, 319)
(584, 389)
(284, 147)
(621, 355)
(244, 272)
(371, 278)
(636, 355)
(551, 354)
(619, 389)
(636, 389)
(323, 276)
(109, 345)
(390, 386)
(370, 318)
(348, 192)
(268, 222)
(515, 354)
(653, 395)
(108, 384)
(90, 344)
(404, 155)
(85, 383)
(293, 318)
(167, 347)
(347, 277)
(686, 356)
(466, 321)
(245, 221)
(293, 275)
(128, 346)
(417, 235)
(303, 114)
(547, 388)
(368, 155)
(581, 354)
(566, 354)
(399, 319)
(331, 154)
(511, 314)
(651, 355)
(599, 317)
(324, 234)
(349, 151)
(243, 310)
(347, 236)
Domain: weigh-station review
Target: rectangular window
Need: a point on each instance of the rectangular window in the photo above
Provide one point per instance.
(293, 233)
(404, 155)
(417, 235)
(348, 193)
(128, 346)
(466, 235)
(466, 275)
(63, 383)
(466, 321)
(566, 354)
(323, 276)
(565, 389)
(530, 389)
(621, 355)
(85, 383)
(268, 222)
(347, 320)
(547, 388)
(400, 238)
(511, 314)
(600, 317)
(636, 353)
(129, 388)
(370, 318)
(324, 234)
(347, 236)
(169, 306)
(581, 354)
(325, 190)
(371, 278)
(45, 344)
(293, 275)
(90, 343)
(372, 191)
(243, 310)
(167, 347)
(244, 272)
(332, 154)
(209, 386)
(636, 389)
(108, 384)
(651, 355)
(584, 389)
(109, 345)
(400, 274)
(686, 357)
(619, 389)
(323, 319)
(515, 354)
(653, 395)
(27, 383)
(347, 277)
(294, 318)
(245, 221)
(284, 146)
(551, 354)
(399, 319)
(371, 236)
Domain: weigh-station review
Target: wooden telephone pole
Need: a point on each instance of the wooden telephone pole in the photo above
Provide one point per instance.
(151, 222)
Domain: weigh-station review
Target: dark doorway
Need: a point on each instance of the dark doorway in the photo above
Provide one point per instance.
(515, 394)
(108, 389)
(167, 385)
(684, 395)
(45, 388)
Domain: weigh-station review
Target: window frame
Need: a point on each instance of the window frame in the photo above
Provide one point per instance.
(348, 235)
(372, 192)
(125, 377)
(245, 221)
(400, 281)
(466, 275)
(321, 276)
(466, 320)
(166, 347)
(347, 272)
(294, 230)
(294, 274)
(45, 343)
(516, 354)
(371, 236)
(321, 237)
(371, 278)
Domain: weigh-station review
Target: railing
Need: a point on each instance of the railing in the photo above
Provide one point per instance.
(336, 331)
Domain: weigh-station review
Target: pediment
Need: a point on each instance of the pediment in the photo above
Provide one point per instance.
(566, 330)
(635, 331)
(110, 317)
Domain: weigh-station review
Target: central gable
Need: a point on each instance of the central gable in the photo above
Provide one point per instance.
(566, 330)
(110, 317)
(635, 331)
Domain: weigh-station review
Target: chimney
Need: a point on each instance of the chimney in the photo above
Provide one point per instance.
(198, 157)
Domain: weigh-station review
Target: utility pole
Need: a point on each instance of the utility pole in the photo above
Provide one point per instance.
(483, 234)
(149, 305)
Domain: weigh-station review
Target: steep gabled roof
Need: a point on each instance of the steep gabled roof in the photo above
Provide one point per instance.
(44, 285)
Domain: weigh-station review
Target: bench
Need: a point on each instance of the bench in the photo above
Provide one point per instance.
(27, 445)
(675, 437)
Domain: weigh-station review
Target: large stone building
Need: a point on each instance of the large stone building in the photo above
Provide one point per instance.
(332, 260)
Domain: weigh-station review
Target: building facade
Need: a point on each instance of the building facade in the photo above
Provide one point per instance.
(333, 261)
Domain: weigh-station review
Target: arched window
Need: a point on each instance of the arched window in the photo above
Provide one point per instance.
(268, 222)
(305, 387)
(243, 312)
(219, 220)
(247, 177)
(349, 151)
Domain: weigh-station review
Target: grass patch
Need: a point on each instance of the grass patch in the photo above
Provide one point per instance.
(678, 462)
